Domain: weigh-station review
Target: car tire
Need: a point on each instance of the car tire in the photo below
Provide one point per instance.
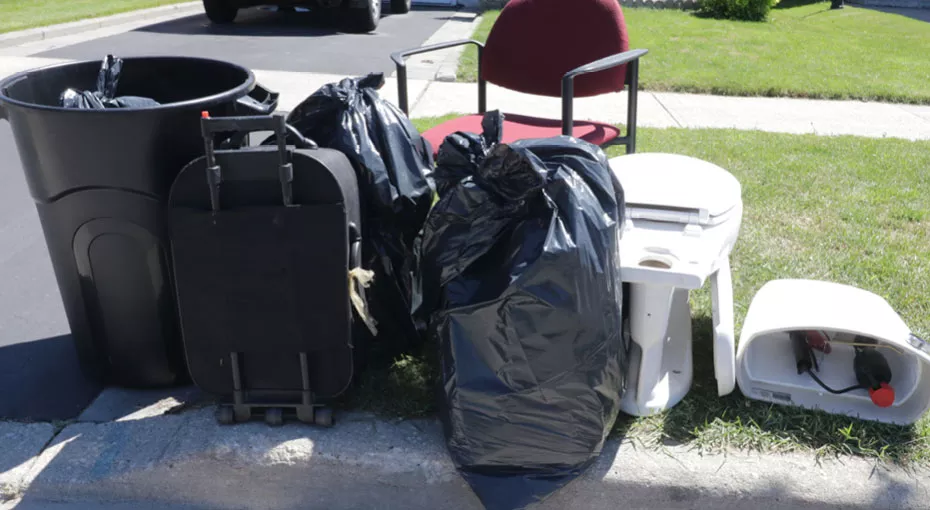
(364, 19)
(221, 12)
(400, 6)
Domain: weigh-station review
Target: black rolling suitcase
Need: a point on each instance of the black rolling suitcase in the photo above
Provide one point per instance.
(263, 241)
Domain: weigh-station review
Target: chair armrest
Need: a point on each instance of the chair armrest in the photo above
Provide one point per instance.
(400, 60)
(605, 63)
(568, 81)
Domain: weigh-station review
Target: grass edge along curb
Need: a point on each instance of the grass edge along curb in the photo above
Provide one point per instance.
(20, 15)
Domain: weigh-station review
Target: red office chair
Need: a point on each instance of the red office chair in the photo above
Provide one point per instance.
(556, 48)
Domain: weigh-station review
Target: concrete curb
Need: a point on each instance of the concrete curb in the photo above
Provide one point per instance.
(187, 460)
(468, 23)
(442, 65)
(76, 27)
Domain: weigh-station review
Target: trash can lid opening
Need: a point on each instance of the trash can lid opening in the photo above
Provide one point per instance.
(172, 81)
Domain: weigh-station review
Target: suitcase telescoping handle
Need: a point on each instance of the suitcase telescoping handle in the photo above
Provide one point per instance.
(250, 124)
(282, 133)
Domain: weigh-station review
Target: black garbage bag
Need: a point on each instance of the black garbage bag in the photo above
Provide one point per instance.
(519, 282)
(105, 95)
(393, 163)
(461, 152)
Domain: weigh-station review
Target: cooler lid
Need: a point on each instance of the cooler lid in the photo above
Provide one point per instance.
(673, 187)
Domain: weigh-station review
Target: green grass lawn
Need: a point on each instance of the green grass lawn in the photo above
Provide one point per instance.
(804, 50)
(846, 209)
(22, 14)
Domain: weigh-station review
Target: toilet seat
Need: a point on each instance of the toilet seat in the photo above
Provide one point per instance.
(677, 189)
(681, 212)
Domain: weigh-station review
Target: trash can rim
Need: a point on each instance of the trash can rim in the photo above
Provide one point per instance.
(247, 86)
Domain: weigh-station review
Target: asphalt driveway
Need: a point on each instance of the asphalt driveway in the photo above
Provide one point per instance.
(39, 375)
(273, 41)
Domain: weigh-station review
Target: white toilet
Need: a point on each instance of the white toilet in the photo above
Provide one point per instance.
(682, 219)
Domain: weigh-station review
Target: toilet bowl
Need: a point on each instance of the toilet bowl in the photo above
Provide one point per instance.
(681, 222)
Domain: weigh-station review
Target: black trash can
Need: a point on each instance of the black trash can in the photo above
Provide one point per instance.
(100, 180)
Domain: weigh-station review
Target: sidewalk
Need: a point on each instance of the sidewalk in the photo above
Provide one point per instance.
(667, 109)
(656, 109)
(186, 460)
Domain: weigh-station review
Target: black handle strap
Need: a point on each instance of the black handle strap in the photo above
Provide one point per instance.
(275, 123)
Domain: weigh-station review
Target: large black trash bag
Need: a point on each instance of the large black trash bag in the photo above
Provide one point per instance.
(105, 95)
(519, 281)
(393, 163)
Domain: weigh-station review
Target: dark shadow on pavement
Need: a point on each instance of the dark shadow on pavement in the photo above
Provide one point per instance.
(40, 378)
(251, 23)
(271, 41)
(42, 381)
(268, 22)
(790, 4)
(769, 493)
(117, 403)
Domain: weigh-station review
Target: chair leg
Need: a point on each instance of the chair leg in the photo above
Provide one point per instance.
(402, 89)
(633, 69)
(482, 86)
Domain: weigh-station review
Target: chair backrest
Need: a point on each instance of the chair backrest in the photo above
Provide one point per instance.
(535, 42)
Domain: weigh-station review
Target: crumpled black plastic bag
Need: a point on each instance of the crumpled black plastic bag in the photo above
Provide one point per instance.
(105, 95)
(519, 282)
(461, 152)
(393, 163)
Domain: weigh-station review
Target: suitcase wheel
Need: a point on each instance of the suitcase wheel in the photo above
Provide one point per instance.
(323, 417)
(242, 413)
(274, 416)
(225, 415)
(305, 414)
